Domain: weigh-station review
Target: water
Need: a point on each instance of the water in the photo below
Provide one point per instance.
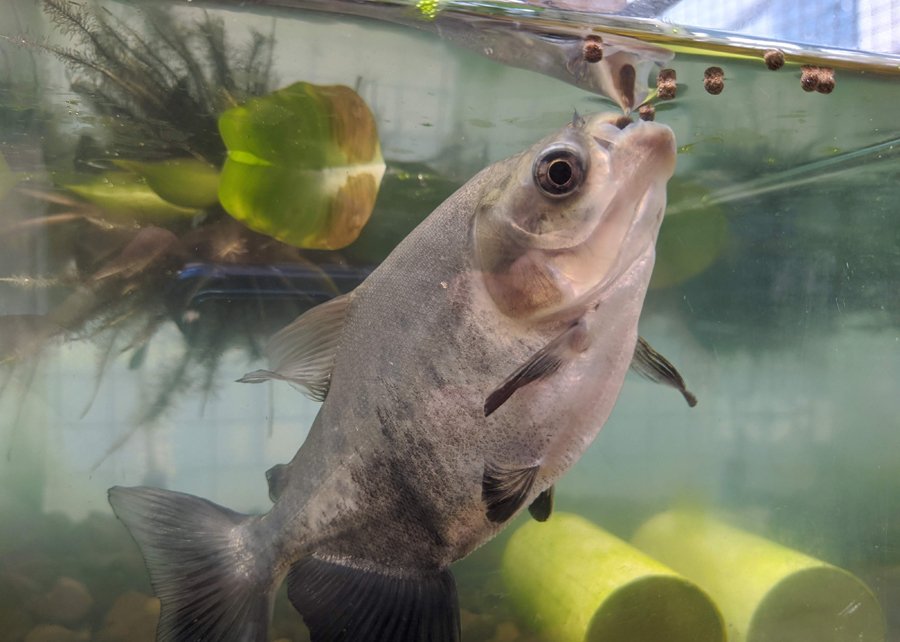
(775, 295)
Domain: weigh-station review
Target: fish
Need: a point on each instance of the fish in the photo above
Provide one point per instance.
(623, 74)
(466, 374)
(528, 35)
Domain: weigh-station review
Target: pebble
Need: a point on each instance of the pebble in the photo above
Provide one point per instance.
(55, 633)
(132, 618)
(647, 112)
(67, 602)
(475, 626)
(16, 622)
(506, 632)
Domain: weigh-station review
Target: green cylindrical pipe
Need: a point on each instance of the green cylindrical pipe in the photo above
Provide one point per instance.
(572, 581)
(767, 592)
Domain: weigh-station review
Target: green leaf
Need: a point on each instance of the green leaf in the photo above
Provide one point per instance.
(304, 165)
(185, 182)
(690, 241)
(8, 178)
(126, 195)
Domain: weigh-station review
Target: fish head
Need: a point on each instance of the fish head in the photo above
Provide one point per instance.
(570, 216)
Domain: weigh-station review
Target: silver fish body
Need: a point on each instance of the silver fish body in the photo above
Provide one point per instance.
(460, 381)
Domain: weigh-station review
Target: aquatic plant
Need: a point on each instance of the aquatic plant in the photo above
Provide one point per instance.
(130, 212)
(160, 89)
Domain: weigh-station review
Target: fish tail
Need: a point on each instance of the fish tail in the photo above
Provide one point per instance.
(202, 565)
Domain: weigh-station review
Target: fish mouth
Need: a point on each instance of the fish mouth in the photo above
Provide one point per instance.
(654, 141)
(642, 160)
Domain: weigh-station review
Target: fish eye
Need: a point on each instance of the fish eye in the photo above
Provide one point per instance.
(558, 171)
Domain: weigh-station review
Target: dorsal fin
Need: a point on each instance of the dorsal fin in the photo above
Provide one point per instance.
(504, 490)
(648, 363)
(542, 506)
(302, 353)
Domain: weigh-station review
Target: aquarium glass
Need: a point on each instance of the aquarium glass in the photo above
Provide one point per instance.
(131, 301)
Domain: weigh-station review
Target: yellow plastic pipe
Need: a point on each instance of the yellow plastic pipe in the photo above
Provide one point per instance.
(572, 581)
(767, 592)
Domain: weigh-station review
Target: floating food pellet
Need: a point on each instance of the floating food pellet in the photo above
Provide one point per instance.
(592, 50)
(622, 122)
(820, 79)
(774, 59)
(714, 80)
(647, 112)
(666, 86)
(826, 80)
(809, 77)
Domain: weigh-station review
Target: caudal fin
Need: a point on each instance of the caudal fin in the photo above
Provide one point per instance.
(202, 570)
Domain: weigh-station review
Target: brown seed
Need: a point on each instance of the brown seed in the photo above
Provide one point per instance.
(647, 112)
(774, 59)
(592, 50)
(714, 80)
(809, 77)
(826, 80)
(666, 86)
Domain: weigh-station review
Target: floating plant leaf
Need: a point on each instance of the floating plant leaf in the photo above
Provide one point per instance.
(185, 182)
(127, 195)
(303, 166)
(690, 241)
(8, 178)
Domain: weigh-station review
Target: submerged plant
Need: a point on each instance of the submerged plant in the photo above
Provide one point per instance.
(140, 206)
(160, 89)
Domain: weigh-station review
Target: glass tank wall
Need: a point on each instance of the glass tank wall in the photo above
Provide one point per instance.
(134, 292)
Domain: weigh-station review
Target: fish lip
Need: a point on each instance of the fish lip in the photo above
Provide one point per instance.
(658, 139)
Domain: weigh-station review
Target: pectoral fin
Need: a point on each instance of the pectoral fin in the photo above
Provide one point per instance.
(544, 363)
(542, 506)
(648, 363)
(303, 352)
(504, 490)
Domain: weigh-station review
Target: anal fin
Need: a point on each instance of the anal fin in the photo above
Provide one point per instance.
(345, 602)
(504, 490)
(542, 506)
(650, 364)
